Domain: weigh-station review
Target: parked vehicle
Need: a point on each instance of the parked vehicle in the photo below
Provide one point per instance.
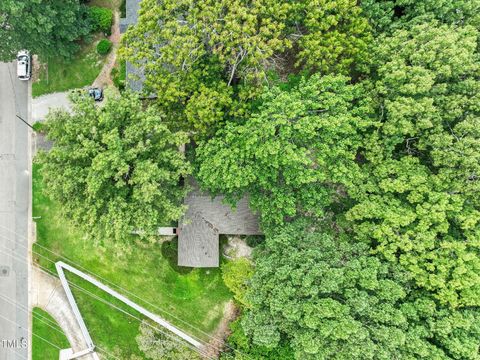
(24, 65)
(96, 93)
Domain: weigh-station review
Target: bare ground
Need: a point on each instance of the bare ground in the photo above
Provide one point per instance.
(217, 343)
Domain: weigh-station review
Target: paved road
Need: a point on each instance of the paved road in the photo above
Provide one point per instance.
(42, 104)
(14, 217)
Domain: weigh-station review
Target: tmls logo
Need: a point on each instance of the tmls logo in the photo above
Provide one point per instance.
(15, 343)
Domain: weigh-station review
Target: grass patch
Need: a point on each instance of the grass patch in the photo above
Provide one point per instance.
(111, 4)
(39, 127)
(46, 327)
(196, 296)
(60, 74)
(112, 330)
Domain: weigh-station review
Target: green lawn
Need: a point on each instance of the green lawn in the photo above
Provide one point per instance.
(46, 327)
(197, 296)
(63, 75)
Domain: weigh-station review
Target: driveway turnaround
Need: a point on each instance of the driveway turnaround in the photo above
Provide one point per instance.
(42, 104)
(14, 213)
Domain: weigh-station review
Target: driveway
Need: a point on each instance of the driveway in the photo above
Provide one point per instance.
(42, 104)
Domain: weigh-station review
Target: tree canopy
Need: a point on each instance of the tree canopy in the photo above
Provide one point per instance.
(210, 57)
(418, 202)
(45, 27)
(115, 169)
(290, 156)
(392, 14)
(332, 299)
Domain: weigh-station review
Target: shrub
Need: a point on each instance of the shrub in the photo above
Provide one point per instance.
(118, 75)
(101, 19)
(104, 46)
(236, 275)
(39, 127)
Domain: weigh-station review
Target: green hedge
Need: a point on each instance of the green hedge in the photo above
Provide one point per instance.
(101, 19)
(104, 46)
(119, 75)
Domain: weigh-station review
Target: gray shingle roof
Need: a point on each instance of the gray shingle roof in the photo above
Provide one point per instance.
(205, 219)
(134, 75)
(132, 7)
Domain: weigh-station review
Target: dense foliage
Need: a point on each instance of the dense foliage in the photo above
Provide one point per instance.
(100, 19)
(391, 14)
(45, 27)
(332, 299)
(391, 165)
(206, 59)
(291, 155)
(418, 202)
(115, 169)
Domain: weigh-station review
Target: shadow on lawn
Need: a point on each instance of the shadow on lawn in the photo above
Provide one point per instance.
(170, 252)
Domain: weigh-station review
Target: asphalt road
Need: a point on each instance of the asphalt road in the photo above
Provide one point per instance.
(14, 216)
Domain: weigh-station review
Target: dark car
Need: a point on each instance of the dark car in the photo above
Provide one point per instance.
(96, 94)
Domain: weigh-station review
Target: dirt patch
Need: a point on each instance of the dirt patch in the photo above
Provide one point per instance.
(236, 248)
(217, 343)
(37, 68)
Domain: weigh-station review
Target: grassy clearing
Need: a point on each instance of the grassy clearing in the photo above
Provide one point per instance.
(61, 75)
(46, 327)
(196, 296)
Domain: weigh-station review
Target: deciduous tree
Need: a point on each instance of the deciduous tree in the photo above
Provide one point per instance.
(45, 27)
(333, 35)
(290, 156)
(331, 299)
(115, 169)
(212, 57)
(419, 201)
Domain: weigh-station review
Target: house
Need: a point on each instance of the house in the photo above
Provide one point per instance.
(205, 218)
(203, 222)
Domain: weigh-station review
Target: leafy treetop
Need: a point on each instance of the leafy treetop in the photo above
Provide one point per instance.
(418, 202)
(45, 27)
(290, 156)
(331, 299)
(115, 169)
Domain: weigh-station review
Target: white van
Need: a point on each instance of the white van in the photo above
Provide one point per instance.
(24, 65)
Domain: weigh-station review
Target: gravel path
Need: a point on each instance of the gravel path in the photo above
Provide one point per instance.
(104, 79)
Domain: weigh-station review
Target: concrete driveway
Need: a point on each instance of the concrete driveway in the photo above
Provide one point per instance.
(42, 104)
